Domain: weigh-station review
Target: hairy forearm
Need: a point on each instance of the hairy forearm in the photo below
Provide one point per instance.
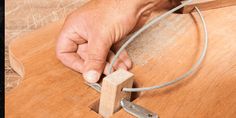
(141, 7)
(136, 7)
(144, 5)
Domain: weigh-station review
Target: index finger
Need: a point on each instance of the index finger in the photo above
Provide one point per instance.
(67, 46)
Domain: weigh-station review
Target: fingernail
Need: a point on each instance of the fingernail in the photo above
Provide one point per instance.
(91, 76)
(122, 66)
(128, 63)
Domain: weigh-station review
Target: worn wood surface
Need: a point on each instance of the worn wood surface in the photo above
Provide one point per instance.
(23, 16)
(162, 53)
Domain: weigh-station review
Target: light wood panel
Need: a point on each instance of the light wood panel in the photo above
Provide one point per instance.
(49, 89)
(23, 16)
(207, 4)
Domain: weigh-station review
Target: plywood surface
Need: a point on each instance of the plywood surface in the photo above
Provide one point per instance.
(162, 53)
(23, 16)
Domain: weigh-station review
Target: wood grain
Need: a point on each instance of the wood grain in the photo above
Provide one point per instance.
(24, 16)
(50, 89)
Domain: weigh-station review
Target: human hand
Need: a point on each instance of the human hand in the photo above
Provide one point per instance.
(88, 34)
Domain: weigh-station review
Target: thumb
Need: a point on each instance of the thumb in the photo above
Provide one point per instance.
(96, 61)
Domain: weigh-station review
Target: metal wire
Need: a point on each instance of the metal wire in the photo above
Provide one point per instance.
(185, 75)
(152, 22)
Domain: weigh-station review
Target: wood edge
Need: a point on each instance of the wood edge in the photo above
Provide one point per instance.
(189, 7)
(198, 2)
(213, 5)
(15, 63)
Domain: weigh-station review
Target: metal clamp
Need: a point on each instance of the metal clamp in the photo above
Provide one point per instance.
(136, 110)
(95, 86)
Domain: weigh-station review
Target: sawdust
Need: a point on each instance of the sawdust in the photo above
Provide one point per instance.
(150, 43)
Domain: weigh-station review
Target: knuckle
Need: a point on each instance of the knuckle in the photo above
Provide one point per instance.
(96, 58)
(117, 63)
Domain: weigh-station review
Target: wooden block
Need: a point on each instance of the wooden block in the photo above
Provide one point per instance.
(111, 93)
(207, 4)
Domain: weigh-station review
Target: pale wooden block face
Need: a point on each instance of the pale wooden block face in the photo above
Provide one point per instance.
(111, 93)
(118, 77)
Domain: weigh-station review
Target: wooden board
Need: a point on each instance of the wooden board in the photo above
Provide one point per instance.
(49, 89)
(207, 4)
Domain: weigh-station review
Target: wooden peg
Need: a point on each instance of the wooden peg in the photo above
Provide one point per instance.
(111, 92)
